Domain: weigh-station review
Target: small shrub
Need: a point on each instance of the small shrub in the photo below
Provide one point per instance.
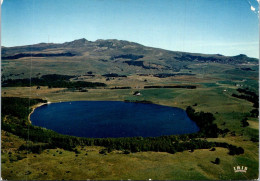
(244, 122)
(212, 149)
(217, 161)
(77, 151)
(126, 152)
(109, 149)
(233, 133)
(12, 159)
(28, 172)
(103, 151)
(254, 139)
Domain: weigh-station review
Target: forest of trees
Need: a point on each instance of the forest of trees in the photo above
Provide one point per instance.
(120, 87)
(51, 80)
(251, 97)
(127, 56)
(175, 86)
(21, 55)
(244, 122)
(248, 95)
(18, 109)
(204, 122)
(254, 113)
(113, 75)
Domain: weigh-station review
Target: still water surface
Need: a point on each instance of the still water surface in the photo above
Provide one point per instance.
(99, 119)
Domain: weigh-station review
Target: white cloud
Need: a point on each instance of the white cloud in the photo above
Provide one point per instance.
(252, 8)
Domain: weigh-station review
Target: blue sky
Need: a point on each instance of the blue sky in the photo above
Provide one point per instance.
(227, 27)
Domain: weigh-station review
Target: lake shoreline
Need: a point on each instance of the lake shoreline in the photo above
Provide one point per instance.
(33, 108)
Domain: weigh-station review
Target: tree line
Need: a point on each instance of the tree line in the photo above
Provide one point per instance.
(204, 122)
(251, 97)
(47, 139)
(51, 80)
(21, 55)
(248, 95)
(175, 86)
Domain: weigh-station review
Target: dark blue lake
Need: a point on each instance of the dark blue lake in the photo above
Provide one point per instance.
(99, 119)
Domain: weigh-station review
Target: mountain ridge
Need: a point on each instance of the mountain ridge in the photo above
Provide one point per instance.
(112, 55)
(101, 43)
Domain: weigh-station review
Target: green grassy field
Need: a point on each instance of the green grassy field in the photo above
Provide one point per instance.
(215, 85)
(90, 164)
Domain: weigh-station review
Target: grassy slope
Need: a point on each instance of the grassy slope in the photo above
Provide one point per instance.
(210, 96)
(115, 165)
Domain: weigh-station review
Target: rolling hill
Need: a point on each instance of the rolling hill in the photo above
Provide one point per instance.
(105, 56)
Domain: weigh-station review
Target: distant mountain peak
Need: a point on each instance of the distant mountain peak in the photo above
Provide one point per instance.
(241, 55)
(81, 40)
(78, 42)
